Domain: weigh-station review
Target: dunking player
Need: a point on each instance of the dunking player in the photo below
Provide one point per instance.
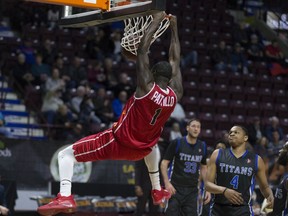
(139, 126)
(231, 176)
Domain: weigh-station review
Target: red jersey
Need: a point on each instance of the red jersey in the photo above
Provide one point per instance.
(141, 122)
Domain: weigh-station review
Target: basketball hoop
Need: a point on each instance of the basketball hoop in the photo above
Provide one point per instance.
(135, 28)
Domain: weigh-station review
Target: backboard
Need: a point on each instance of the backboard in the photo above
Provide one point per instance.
(104, 11)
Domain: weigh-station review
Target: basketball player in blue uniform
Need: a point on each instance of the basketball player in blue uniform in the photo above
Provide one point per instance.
(188, 155)
(281, 202)
(231, 177)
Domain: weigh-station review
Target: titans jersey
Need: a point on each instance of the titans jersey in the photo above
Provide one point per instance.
(187, 159)
(142, 119)
(236, 173)
(280, 201)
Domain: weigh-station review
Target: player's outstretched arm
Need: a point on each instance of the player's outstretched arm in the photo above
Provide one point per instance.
(211, 175)
(164, 171)
(263, 183)
(144, 75)
(174, 58)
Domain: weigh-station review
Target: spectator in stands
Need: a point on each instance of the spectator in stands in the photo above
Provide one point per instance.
(190, 60)
(119, 102)
(29, 52)
(220, 145)
(256, 137)
(3, 204)
(5, 30)
(178, 115)
(221, 57)
(256, 133)
(274, 134)
(75, 74)
(273, 52)
(103, 106)
(77, 99)
(255, 49)
(124, 84)
(275, 59)
(252, 31)
(111, 74)
(53, 16)
(222, 141)
(87, 111)
(40, 71)
(240, 34)
(3, 130)
(94, 45)
(96, 75)
(107, 44)
(54, 82)
(48, 52)
(51, 103)
(175, 131)
(59, 63)
(22, 74)
(116, 38)
(238, 60)
(66, 126)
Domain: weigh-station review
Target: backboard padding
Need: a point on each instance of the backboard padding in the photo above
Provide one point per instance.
(89, 4)
(98, 17)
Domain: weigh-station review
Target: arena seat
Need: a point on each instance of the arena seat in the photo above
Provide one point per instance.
(237, 107)
(222, 121)
(251, 94)
(281, 110)
(252, 108)
(280, 95)
(237, 92)
(236, 79)
(206, 90)
(221, 104)
(206, 116)
(267, 109)
(207, 105)
(238, 119)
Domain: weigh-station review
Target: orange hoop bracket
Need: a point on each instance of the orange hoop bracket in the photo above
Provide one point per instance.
(92, 4)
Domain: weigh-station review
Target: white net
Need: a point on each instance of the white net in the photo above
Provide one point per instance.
(135, 28)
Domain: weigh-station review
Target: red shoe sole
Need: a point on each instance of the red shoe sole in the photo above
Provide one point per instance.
(51, 212)
(162, 200)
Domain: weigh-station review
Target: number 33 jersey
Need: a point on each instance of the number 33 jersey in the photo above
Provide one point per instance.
(236, 173)
(141, 122)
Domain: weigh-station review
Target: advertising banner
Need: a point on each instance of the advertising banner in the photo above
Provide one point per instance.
(32, 164)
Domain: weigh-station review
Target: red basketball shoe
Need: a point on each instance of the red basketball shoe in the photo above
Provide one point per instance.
(159, 196)
(60, 204)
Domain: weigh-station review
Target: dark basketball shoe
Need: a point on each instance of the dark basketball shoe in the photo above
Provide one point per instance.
(60, 204)
(159, 196)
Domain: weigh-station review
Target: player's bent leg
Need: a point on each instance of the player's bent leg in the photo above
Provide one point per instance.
(152, 162)
(64, 202)
(60, 204)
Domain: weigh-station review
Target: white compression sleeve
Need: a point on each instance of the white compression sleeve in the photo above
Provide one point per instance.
(152, 162)
(66, 161)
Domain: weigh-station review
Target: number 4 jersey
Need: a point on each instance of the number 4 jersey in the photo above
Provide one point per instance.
(236, 173)
(141, 122)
